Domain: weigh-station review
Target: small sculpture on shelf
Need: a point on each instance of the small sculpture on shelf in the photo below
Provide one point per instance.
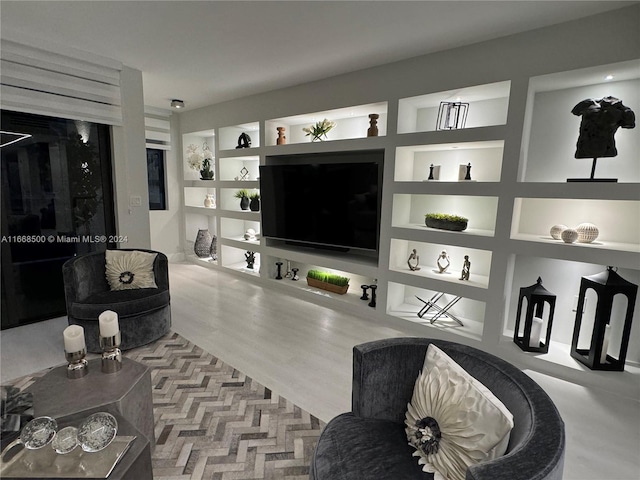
(244, 175)
(250, 257)
(373, 288)
(364, 296)
(434, 172)
(279, 267)
(466, 268)
(244, 141)
(413, 261)
(373, 125)
(601, 118)
(295, 277)
(443, 262)
(282, 139)
(210, 201)
(289, 274)
(250, 235)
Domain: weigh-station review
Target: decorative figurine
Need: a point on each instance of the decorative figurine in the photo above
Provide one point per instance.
(250, 234)
(281, 140)
(244, 141)
(244, 174)
(295, 274)
(431, 172)
(288, 274)
(250, 257)
(466, 268)
(373, 125)
(443, 261)
(279, 275)
(601, 119)
(364, 292)
(210, 201)
(413, 261)
(467, 175)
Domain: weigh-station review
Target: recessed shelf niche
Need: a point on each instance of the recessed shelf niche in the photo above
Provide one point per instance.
(231, 168)
(488, 105)
(198, 140)
(229, 135)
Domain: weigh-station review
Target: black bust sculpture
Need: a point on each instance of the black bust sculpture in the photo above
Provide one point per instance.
(601, 118)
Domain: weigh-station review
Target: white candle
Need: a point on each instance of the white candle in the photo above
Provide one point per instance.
(536, 330)
(74, 339)
(108, 321)
(605, 344)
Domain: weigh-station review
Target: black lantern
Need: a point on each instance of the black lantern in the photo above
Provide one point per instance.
(452, 115)
(532, 338)
(607, 285)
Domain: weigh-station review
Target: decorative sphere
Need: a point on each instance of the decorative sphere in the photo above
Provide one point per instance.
(569, 235)
(587, 232)
(556, 231)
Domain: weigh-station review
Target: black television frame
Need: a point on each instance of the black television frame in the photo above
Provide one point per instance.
(375, 156)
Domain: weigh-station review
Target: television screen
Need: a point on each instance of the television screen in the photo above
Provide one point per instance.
(320, 202)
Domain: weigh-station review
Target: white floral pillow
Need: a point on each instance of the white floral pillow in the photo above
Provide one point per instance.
(127, 270)
(454, 421)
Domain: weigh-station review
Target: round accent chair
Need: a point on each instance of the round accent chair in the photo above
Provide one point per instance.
(369, 443)
(144, 314)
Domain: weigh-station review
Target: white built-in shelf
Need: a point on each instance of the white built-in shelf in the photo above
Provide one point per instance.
(200, 210)
(234, 259)
(551, 130)
(351, 123)
(240, 242)
(412, 163)
(228, 138)
(488, 105)
(231, 168)
(429, 253)
(409, 211)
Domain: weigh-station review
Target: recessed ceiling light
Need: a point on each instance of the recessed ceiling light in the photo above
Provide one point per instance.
(609, 77)
(175, 103)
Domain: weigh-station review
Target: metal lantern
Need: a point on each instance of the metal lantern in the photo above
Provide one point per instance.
(452, 115)
(532, 338)
(606, 285)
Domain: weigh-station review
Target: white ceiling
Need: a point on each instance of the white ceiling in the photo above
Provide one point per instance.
(205, 52)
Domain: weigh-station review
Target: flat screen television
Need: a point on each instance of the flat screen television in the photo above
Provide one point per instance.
(329, 201)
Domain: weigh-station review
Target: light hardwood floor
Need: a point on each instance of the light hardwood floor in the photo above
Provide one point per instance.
(303, 352)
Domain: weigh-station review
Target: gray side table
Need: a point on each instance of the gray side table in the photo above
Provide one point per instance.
(126, 393)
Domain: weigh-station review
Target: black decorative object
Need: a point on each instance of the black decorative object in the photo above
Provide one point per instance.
(295, 276)
(254, 202)
(250, 257)
(606, 285)
(279, 275)
(364, 292)
(452, 115)
(373, 288)
(244, 141)
(466, 269)
(601, 118)
(531, 338)
(467, 175)
(431, 177)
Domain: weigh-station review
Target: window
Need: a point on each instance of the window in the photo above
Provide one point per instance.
(155, 174)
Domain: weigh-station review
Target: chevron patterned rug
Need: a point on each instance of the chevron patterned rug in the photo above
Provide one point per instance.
(213, 422)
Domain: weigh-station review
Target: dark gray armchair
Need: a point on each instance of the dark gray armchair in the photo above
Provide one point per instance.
(369, 443)
(144, 315)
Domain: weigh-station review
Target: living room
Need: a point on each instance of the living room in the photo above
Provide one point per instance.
(297, 340)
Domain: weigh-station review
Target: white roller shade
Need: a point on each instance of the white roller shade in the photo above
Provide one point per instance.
(69, 85)
(157, 131)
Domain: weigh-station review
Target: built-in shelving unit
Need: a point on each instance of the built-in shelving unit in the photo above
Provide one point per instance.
(511, 203)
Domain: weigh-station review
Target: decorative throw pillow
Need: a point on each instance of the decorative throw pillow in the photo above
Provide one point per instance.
(127, 270)
(454, 421)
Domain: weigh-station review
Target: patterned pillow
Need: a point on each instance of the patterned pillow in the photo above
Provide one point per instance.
(454, 421)
(128, 270)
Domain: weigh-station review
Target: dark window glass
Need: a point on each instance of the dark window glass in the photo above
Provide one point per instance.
(57, 202)
(155, 173)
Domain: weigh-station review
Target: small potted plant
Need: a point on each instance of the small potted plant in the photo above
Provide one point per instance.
(319, 130)
(328, 281)
(254, 201)
(444, 221)
(243, 195)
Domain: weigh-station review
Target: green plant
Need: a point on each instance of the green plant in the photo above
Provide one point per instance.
(254, 196)
(326, 277)
(243, 193)
(446, 217)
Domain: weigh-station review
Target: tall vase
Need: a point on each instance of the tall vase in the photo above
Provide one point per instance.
(202, 245)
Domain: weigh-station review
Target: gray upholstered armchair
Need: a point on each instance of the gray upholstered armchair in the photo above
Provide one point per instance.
(369, 443)
(144, 314)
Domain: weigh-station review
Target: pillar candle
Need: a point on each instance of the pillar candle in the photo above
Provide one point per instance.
(108, 321)
(74, 339)
(605, 344)
(536, 330)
